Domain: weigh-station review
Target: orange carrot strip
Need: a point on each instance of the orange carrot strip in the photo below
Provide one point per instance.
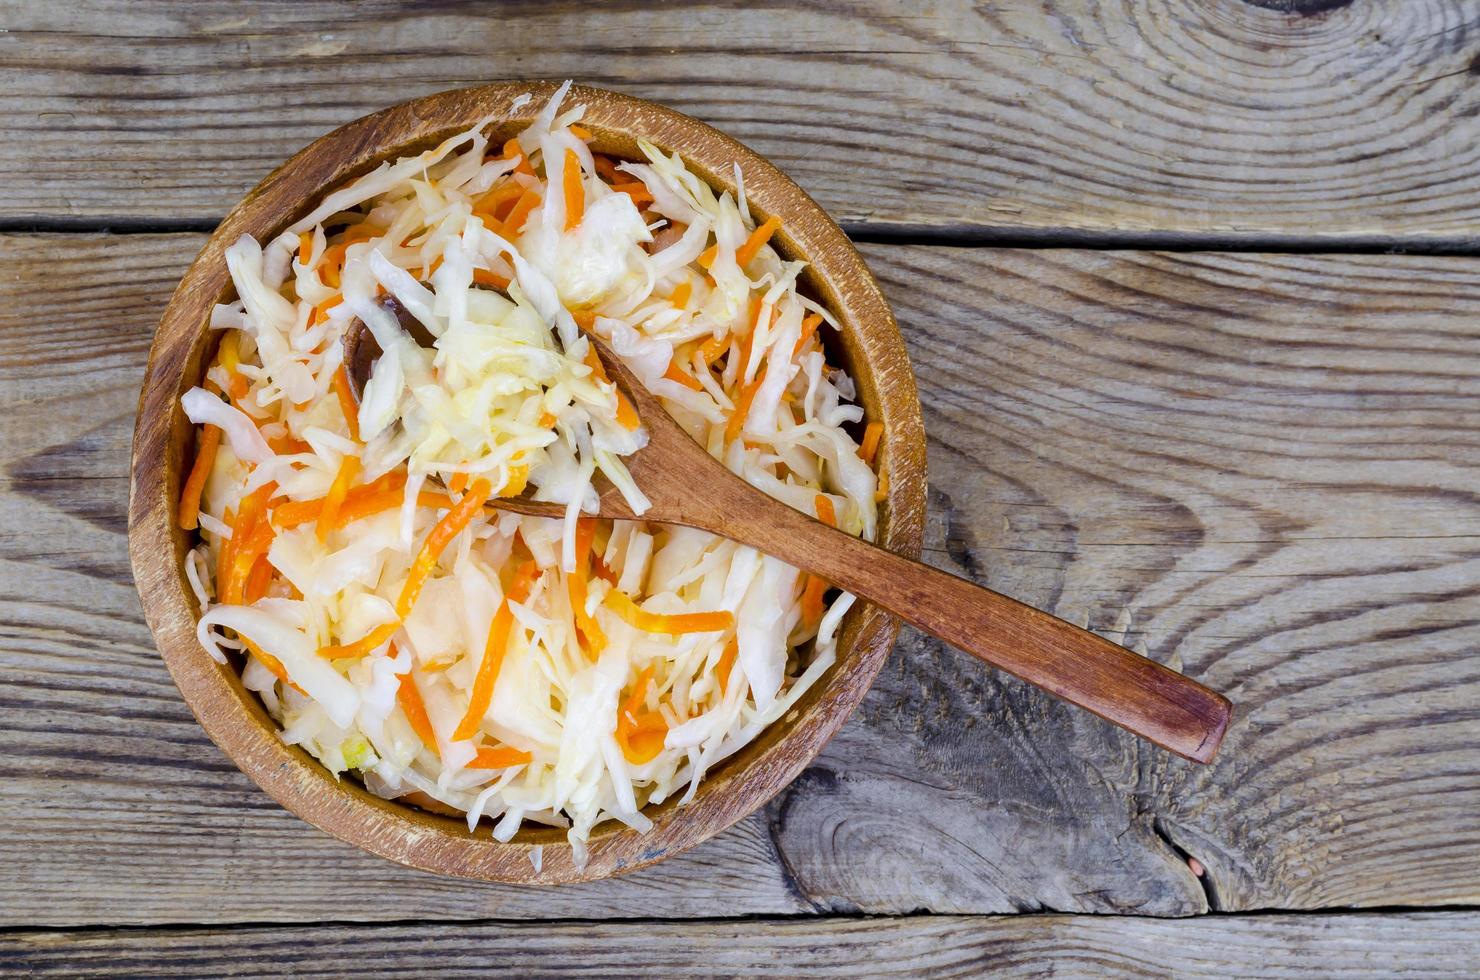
(513, 151)
(458, 483)
(640, 736)
(713, 348)
(742, 408)
(579, 132)
(626, 414)
(500, 758)
(601, 571)
(707, 257)
(636, 190)
(305, 246)
(812, 595)
(288, 445)
(676, 373)
(748, 251)
(270, 662)
(188, 515)
(681, 293)
(493, 651)
(347, 403)
(409, 697)
(606, 168)
(514, 223)
(592, 639)
(483, 277)
(359, 648)
(246, 544)
(727, 664)
(882, 493)
(870, 445)
(349, 468)
(575, 194)
(258, 579)
(636, 617)
(809, 327)
(826, 513)
(445, 530)
(505, 193)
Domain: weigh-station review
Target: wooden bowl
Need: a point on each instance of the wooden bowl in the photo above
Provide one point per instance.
(870, 347)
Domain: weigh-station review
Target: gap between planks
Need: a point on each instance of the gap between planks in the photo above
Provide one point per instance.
(942, 236)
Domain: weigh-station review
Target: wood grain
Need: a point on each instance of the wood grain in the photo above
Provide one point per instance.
(1261, 468)
(1221, 118)
(1339, 947)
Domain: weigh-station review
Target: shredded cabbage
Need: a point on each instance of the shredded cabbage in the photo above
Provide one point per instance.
(563, 672)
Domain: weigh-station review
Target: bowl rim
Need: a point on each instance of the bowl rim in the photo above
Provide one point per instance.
(234, 718)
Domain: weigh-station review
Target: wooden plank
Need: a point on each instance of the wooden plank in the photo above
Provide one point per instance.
(1357, 122)
(1259, 468)
(1433, 944)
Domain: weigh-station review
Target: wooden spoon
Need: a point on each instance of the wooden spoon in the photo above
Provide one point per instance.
(689, 487)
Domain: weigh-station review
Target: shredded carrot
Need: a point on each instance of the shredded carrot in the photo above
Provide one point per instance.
(592, 639)
(296, 512)
(270, 662)
(321, 312)
(809, 327)
(445, 530)
(499, 758)
(680, 294)
(882, 493)
(493, 651)
(713, 348)
(288, 445)
(258, 580)
(505, 193)
(347, 401)
(223, 556)
(458, 483)
(601, 571)
(247, 542)
(188, 516)
(707, 257)
(742, 408)
(638, 618)
(575, 195)
(349, 468)
(626, 414)
(678, 374)
(727, 664)
(640, 736)
(606, 167)
(514, 223)
(636, 190)
(483, 277)
(579, 132)
(305, 247)
(748, 251)
(359, 648)
(513, 151)
(546, 420)
(409, 697)
(826, 513)
(812, 595)
(870, 445)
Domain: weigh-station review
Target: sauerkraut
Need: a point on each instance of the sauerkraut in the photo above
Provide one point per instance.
(515, 668)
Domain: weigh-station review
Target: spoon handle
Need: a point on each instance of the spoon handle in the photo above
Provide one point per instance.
(1139, 695)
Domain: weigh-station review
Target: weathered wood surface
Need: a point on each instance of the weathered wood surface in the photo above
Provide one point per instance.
(1339, 947)
(1260, 468)
(1228, 118)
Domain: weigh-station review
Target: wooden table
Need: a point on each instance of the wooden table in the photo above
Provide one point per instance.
(1189, 286)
